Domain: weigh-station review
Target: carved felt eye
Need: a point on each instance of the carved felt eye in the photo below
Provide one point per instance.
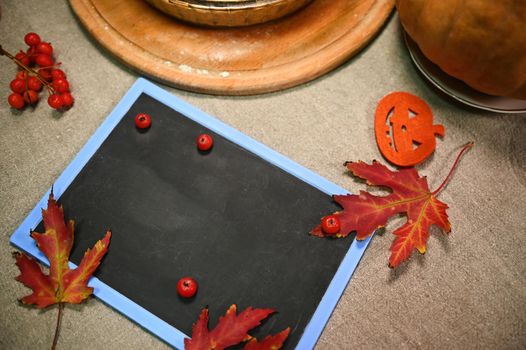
(404, 129)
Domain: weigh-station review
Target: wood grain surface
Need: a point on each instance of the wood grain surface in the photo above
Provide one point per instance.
(234, 61)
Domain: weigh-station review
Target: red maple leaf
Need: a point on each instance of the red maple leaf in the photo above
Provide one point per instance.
(231, 330)
(271, 342)
(62, 285)
(364, 213)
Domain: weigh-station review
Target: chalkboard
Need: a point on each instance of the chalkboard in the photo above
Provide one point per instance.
(230, 218)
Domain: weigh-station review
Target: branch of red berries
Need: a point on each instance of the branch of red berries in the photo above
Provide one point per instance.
(38, 68)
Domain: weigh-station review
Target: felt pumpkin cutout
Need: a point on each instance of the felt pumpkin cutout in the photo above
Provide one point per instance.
(404, 129)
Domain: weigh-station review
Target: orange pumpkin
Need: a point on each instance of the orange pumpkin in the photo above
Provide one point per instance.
(482, 42)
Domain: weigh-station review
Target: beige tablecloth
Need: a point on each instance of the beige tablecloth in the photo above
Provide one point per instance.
(467, 292)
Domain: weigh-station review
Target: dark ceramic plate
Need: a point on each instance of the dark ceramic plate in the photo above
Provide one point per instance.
(457, 89)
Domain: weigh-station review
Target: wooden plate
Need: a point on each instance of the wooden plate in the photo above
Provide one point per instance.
(234, 61)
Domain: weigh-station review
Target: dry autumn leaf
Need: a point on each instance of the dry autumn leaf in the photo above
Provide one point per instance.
(271, 342)
(231, 330)
(364, 213)
(62, 285)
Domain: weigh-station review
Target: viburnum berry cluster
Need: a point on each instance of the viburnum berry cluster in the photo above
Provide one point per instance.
(37, 68)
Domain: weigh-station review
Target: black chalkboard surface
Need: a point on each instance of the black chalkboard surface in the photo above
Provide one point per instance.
(233, 221)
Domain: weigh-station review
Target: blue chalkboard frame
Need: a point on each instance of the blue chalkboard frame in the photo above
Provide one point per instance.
(135, 312)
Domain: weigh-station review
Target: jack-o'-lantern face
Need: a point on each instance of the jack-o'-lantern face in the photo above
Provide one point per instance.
(404, 129)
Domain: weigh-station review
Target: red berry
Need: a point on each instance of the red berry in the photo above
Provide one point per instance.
(22, 75)
(204, 142)
(32, 39)
(34, 84)
(55, 101)
(67, 99)
(16, 101)
(32, 53)
(58, 74)
(330, 224)
(60, 85)
(23, 58)
(45, 48)
(31, 97)
(45, 73)
(143, 121)
(187, 287)
(44, 60)
(18, 85)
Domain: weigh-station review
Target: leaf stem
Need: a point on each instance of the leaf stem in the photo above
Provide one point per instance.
(464, 149)
(57, 329)
(28, 69)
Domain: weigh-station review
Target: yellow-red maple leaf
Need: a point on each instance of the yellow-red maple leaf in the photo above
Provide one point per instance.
(232, 329)
(62, 285)
(271, 342)
(364, 213)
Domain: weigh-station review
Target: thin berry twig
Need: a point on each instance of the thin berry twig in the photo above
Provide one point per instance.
(49, 87)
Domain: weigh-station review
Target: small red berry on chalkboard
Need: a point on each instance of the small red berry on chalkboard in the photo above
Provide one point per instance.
(204, 142)
(187, 287)
(143, 121)
(330, 224)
